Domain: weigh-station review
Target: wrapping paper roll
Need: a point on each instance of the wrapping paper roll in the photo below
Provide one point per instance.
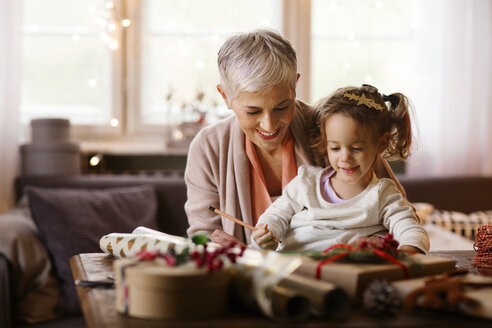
(258, 274)
(326, 299)
(126, 244)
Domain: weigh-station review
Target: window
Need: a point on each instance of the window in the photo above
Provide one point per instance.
(69, 68)
(129, 69)
(361, 41)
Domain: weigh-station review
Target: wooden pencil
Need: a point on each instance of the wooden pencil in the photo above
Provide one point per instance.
(244, 224)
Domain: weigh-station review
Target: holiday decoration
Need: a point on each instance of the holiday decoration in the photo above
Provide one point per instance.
(456, 291)
(352, 268)
(380, 298)
(192, 283)
(483, 246)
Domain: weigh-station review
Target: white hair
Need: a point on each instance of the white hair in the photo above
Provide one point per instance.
(256, 62)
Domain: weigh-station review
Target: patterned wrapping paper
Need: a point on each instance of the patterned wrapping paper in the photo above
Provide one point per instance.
(129, 244)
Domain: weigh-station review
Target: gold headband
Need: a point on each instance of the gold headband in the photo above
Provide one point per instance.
(362, 100)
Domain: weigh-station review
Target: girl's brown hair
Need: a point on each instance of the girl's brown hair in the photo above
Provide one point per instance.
(366, 106)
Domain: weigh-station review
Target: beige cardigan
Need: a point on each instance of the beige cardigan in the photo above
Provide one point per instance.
(218, 174)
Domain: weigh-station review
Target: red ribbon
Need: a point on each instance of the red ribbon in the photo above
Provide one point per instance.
(351, 249)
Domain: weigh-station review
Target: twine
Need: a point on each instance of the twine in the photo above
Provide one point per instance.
(483, 247)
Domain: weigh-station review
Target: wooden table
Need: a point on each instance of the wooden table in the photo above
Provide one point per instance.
(99, 310)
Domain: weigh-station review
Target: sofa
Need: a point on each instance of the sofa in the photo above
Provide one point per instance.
(463, 194)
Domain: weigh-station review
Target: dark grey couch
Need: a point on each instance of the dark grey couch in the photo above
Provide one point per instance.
(460, 194)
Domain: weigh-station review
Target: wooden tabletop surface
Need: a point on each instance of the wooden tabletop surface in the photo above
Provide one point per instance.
(99, 310)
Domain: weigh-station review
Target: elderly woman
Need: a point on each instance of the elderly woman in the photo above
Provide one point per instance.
(241, 164)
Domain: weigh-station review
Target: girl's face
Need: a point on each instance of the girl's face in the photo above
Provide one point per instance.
(265, 116)
(352, 149)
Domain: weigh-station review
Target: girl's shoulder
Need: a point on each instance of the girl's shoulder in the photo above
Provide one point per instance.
(387, 186)
(307, 171)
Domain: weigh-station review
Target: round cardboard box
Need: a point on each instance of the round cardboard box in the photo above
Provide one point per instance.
(158, 291)
(50, 131)
(62, 159)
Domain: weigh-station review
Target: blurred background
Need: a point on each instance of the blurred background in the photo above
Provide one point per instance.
(138, 78)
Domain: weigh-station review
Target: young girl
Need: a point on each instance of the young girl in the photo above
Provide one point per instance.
(321, 207)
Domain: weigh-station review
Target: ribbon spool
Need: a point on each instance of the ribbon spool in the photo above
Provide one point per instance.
(483, 247)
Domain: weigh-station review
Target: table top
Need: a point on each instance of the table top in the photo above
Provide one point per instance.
(98, 305)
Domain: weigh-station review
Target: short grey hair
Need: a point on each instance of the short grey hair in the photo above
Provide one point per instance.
(256, 61)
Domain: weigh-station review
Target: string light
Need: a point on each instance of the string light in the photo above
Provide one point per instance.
(114, 122)
(126, 22)
(95, 160)
(93, 83)
(108, 19)
(113, 44)
(200, 64)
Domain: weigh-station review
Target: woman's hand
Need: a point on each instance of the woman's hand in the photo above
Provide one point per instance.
(265, 238)
(223, 238)
(411, 249)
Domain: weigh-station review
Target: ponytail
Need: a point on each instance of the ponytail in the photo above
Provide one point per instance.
(401, 129)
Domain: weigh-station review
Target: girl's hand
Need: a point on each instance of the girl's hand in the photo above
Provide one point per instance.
(264, 238)
(371, 239)
(412, 249)
(223, 238)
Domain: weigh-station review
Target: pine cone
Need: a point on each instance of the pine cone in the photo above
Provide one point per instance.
(380, 298)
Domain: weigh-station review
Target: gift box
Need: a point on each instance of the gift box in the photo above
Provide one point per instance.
(354, 278)
(153, 290)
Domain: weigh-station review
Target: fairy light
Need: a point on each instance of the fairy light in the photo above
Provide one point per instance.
(114, 122)
(92, 83)
(178, 134)
(75, 38)
(126, 22)
(113, 44)
(95, 160)
(107, 18)
(200, 64)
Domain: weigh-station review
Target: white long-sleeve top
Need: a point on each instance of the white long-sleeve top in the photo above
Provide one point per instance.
(303, 220)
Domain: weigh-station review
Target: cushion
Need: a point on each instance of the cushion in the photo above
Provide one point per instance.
(35, 289)
(463, 224)
(71, 221)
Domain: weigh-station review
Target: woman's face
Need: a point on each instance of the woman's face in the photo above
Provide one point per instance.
(265, 116)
